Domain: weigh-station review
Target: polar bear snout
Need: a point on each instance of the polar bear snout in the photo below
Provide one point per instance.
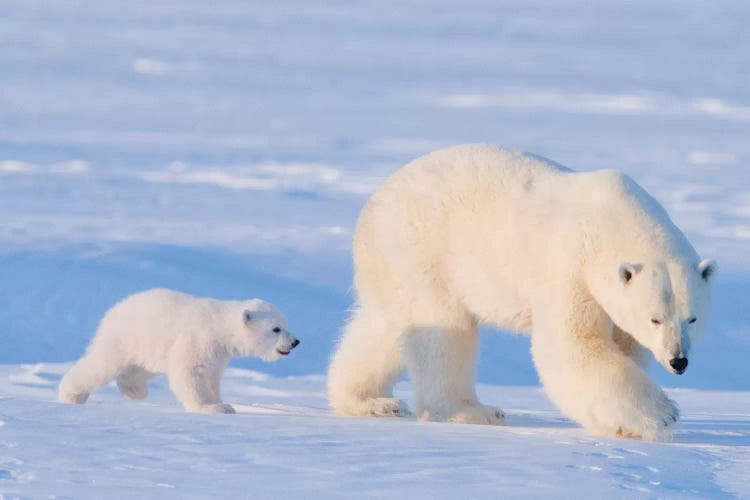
(679, 365)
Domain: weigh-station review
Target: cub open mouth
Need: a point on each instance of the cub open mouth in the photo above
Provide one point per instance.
(283, 353)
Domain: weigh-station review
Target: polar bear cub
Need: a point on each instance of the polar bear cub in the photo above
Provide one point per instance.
(190, 339)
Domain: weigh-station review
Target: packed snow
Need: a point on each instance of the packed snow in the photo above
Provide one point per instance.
(225, 149)
(284, 443)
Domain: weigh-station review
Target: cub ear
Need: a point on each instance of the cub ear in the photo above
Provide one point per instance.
(707, 268)
(247, 316)
(627, 271)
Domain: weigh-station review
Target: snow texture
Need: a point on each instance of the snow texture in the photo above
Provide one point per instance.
(284, 443)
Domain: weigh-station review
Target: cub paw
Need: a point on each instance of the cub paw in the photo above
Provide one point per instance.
(134, 392)
(217, 408)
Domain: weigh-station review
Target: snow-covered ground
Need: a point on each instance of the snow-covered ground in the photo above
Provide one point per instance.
(283, 443)
(224, 148)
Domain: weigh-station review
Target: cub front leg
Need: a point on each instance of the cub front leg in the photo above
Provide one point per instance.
(192, 385)
(215, 380)
(594, 383)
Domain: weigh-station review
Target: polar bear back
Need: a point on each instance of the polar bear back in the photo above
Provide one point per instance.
(522, 194)
(484, 222)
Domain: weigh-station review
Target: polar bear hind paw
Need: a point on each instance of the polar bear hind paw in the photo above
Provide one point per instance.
(382, 407)
(478, 414)
(373, 407)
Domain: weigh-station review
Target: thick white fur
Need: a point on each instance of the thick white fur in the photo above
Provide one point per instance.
(190, 339)
(580, 261)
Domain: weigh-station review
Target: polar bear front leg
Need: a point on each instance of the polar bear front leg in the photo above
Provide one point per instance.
(192, 385)
(630, 347)
(441, 364)
(593, 382)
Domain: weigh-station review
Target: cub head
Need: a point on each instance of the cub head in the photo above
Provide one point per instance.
(265, 331)
(663, 305)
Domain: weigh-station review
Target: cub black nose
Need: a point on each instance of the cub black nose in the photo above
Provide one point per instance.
(679, 364)
(296, 343)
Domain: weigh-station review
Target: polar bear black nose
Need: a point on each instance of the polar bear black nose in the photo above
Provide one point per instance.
(295, 343)
(679, 364)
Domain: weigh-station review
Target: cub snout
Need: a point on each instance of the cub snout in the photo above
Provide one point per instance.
(285, 350)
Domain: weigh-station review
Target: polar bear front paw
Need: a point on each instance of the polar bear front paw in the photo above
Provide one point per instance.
(651, 417)
(217, 408)
(479, 415)
(655, 422)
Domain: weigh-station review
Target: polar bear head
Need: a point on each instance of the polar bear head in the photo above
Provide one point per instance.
(663, 305)
(263, 331)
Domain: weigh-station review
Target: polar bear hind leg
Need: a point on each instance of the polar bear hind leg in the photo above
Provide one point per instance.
(441, 364)
(365, 367)
(132, 382)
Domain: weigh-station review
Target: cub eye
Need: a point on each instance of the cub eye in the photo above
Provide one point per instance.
(692, 320)
(276, 330)
(655, 321)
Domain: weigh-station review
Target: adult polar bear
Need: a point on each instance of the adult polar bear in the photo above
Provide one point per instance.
(588, 264)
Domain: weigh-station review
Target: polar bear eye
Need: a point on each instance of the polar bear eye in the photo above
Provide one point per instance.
(692, 320)
(276, 330)
(655, 321)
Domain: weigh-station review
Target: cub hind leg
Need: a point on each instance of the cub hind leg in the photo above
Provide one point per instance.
(95, 369)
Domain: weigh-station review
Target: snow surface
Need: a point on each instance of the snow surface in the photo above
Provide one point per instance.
(225, 148)
(284, 443)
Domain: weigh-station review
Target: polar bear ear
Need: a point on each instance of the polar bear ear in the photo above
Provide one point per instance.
(247, 316)
(707, 268)
(627, 271)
